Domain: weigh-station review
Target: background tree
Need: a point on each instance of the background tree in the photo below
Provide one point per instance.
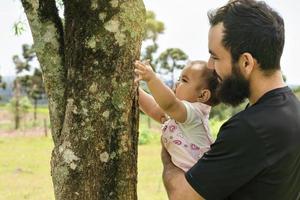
(24, 82)
(34, 87)
(2, 84)
(172, 59)
(32, 84)
(22, 108)
(87, 67)
(20, 67)
(153, 29)
(16, 102)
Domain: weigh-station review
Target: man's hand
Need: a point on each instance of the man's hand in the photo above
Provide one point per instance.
(144, 71)
(166, 158)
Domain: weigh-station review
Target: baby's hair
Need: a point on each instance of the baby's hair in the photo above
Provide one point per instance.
(195, 62)
(209, 79)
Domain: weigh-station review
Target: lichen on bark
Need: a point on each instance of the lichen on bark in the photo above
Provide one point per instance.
(88, 73)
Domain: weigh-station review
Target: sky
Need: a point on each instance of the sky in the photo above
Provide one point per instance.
(186, 27)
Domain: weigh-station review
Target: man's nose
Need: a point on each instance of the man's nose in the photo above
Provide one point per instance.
(210, 64)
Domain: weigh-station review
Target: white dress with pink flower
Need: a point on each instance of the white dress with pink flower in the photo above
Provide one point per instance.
(187, 142)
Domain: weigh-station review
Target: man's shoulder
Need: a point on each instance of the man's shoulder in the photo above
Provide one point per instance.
(237, 120)
(237, 127)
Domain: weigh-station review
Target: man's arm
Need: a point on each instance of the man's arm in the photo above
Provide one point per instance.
(174, 180)
(162, 94)
(150, 107)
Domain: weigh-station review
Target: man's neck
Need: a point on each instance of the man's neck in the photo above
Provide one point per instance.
(260, 85)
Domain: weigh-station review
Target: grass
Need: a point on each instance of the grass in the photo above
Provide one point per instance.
(25, 165)
(150, 185)
(25, 169)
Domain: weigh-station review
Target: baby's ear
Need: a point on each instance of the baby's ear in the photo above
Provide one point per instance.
(204, 96)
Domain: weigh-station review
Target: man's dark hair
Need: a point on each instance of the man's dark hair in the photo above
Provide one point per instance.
(251, 26)
(212, 84)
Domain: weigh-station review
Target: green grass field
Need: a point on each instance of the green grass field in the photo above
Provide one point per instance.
(25, 164)
(25, 169)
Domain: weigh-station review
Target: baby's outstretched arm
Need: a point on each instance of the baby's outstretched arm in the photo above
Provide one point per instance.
(150, 107)
(162, 94)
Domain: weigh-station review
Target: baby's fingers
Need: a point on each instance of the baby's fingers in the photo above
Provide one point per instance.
(137, 80)
(139, 72)
(146, 62)
(139, 65)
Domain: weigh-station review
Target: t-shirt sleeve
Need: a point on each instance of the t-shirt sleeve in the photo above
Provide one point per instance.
(192, 115)
(236, 157)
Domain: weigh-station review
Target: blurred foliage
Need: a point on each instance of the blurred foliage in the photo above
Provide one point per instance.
(171, 59)
(32, 84)
(296, 90)
(145, 136)
(2, 85)
(19, 27)
(223, 112)
(153, 29)
(24, 105)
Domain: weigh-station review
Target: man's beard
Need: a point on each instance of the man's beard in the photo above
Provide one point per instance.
(233, 90)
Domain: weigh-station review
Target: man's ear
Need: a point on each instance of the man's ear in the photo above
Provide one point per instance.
(204, 96)
(246, 63)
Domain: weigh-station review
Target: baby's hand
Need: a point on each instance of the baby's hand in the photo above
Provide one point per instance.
(144, 71)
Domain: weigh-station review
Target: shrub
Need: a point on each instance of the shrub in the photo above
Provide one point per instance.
(145, 137)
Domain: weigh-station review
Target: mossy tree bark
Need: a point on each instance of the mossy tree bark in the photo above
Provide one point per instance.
(87, 66)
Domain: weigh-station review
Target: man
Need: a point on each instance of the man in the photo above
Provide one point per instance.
(256, 155)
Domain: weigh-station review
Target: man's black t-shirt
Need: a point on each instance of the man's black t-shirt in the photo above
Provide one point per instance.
(256, 155)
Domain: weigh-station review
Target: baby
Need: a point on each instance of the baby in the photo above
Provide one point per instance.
(184, 112)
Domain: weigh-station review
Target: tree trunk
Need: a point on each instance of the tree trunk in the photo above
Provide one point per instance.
(88, 73)
(17, 103)
(45, 128)
(35, 101)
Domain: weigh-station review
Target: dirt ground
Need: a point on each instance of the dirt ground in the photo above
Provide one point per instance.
(7, 118)
(38, 131)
